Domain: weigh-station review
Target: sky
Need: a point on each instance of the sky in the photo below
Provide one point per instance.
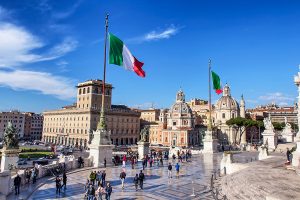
(48, 46)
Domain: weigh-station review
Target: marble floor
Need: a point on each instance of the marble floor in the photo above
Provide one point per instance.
(193, 175)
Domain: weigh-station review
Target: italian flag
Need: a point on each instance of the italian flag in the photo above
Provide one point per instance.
(120, 55)
(216, 82)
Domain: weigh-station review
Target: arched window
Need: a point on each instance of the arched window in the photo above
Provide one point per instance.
(223, 115)
(83, 92)
(232, 115)
(80, 91)
(88, 90)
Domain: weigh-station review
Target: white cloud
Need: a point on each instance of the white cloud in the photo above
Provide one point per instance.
(277, 97)
(165, 34)
(17, 46)
(46, 83)
(146, 105)
(62, 65)
(251, 101)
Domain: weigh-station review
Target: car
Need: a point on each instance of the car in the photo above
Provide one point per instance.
(22, 162)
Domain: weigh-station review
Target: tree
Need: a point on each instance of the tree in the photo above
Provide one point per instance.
(240, 124)
(278, 126)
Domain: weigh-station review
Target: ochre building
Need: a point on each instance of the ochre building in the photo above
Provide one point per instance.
(73, 125)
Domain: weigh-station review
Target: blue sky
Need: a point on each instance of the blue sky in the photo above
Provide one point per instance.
(47, 47)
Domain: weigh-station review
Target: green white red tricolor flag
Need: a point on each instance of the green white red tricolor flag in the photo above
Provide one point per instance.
(216, 82)
(120, 55)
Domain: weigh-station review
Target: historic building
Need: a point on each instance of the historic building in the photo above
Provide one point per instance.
(149, 116)
(33, 127)
(16, 118)
(200, 110)
(277, 113)
(73, 125)
(176, 126)
(227, 108)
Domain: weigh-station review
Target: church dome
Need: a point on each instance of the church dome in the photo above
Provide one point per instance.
(180, 106)
(226, 102)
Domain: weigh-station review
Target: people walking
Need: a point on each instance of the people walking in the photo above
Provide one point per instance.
(34, 175)
(90, 193)
(144, 163)
(108, 191)
(27, 175)
(104, 162)
(103, 177)
(93, 177)
(100, 191)
(122, 177)
(99, 177)
(124, 161)
(169, 170)
(58, 185)
(17, 183)
(132, 162)
(64, 181)
(136, 181)
(177, 167)
(141, 179)
(288, 155)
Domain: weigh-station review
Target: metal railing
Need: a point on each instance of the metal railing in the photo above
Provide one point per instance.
(215, 191)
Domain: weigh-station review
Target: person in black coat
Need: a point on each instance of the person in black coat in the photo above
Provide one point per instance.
(64, 180)
(141, 179)
(17, 183)
(108, 191)
(136, 181)
(58, 184)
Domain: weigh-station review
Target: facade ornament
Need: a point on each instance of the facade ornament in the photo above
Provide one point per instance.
(144, 134)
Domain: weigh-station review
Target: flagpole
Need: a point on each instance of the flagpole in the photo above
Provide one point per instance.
(209, 95)
(101, 124)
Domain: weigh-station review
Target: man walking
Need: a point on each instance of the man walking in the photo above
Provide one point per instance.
(288, 155)
(58, 185)
(64, 181)
(169, 170)
(17, 183)
(141, 179)
(177, 167)
(136, 182)
(108, 191)
(103, 177)
(104, 162)
(122, 177)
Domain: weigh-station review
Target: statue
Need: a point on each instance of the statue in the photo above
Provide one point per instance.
(268, 124)
(11, 137)
(144, 134)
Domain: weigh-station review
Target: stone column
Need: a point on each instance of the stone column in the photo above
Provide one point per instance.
(101, 148)
(143, 149)
(210, 145)
(296, 154)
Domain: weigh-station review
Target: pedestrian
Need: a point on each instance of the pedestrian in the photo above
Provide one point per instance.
(90, 193)
(108, 191)
(17, 183)
(34, 175)
(27, 175)
(104, 162)
(136, 181)
(177, 167)
(64, 181)
(124, 161)
(122, 177)
(173, 156)
(99, 177)
(141, 179)
(132, 162)
(103, 177)
(144, 163)
(169, 170)
(58, 185)
(86, 186)
(288, 155)
(100, 191)
(93, 177)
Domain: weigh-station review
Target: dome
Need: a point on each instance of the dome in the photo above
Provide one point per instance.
(227, 102)
(180, 107)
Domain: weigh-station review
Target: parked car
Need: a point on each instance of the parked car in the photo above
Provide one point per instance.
(21, 162)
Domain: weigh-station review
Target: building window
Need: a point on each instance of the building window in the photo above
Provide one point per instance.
(174, 123)
(83, 92)
(232, 115)
(88, 90)
(223, 115)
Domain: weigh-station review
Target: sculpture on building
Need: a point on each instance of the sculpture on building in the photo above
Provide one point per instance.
(11, 137)
(144, 134)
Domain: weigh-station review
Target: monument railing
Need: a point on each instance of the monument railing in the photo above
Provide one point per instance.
(215, 191)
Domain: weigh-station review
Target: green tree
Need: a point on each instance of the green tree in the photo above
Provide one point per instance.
(278, 126)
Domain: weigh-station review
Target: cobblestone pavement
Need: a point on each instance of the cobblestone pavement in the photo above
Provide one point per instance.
(157, 186)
